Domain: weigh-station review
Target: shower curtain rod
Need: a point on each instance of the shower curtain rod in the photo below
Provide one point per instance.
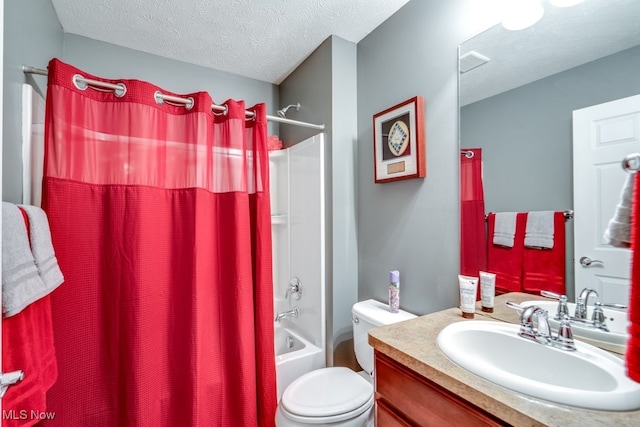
(161, 97)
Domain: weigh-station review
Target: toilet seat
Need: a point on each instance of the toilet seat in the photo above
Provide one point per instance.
(327, 395)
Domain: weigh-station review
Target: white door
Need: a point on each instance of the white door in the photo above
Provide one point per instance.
(602, 136)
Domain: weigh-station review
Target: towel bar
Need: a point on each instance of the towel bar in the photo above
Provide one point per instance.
(568, 214)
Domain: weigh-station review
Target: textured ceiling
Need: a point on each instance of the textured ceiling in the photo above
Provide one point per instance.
(260, 39)
(563, 39)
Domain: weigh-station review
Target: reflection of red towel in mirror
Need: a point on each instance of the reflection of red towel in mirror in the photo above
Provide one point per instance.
(506, 262)
(633, 345)
(544, 269)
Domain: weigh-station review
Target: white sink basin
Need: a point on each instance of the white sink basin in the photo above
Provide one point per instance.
(588, 377)
(617, 323)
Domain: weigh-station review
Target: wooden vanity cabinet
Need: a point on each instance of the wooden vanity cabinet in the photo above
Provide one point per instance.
(406, 398)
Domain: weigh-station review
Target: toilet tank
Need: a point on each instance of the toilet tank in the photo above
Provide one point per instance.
(366, 315)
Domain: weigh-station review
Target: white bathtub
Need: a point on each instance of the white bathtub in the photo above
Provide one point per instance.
(295, 356)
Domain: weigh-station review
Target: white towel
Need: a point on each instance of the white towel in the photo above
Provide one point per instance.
(21, 283)
(42, 248)
(618, 232)
(539, 230)
(504, 229)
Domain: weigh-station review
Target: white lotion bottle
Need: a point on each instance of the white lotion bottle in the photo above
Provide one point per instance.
(487, 291)
(468, 292)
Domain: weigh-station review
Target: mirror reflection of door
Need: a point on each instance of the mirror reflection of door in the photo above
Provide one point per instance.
(602, 135)
(518, 106)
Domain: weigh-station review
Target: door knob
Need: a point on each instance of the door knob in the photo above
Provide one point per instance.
(585, 261)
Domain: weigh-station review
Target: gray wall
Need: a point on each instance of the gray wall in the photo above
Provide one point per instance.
(32, 36)
(325, 86)
(343, 162)
(526, 135)
(413, 225)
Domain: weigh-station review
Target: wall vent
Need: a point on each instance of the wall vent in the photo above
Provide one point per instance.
(471, 60)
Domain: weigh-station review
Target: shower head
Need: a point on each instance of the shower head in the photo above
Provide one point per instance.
(283, 111)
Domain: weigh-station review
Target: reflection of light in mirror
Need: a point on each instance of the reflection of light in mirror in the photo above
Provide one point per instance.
(565, 3)
(481, 15)
(521, 14)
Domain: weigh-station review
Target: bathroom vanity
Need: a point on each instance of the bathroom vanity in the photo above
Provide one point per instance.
(417, 385)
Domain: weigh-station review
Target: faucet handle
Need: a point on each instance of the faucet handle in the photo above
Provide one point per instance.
(563, 308)
(565, 335)
(526, 318)
(550, 294)
(599, 319)
(614, 305)
(294, 290)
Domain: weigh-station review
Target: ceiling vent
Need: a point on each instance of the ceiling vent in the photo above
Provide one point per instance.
(471, 60)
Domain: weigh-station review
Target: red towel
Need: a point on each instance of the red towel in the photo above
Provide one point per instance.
(633, 344)
(506, 262)
(27, 345)
(544, 269)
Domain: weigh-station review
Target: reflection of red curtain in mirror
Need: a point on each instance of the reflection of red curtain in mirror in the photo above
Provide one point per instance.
(473, 236)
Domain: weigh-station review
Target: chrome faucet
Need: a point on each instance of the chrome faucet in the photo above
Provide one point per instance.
(598, 318)
(583, 301)
(287, 314)
(534, 325)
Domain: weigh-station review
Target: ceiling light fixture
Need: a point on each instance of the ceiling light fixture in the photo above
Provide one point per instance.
(521, 14)
(565, 3)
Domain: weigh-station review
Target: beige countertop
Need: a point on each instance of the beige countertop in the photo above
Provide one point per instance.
(412, 343)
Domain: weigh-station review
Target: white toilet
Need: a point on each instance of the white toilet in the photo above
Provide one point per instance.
(339, 397)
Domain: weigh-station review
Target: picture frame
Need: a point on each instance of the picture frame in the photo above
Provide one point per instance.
(399, 146)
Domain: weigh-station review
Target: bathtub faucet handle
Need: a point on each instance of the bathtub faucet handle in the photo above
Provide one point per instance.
(294, 290)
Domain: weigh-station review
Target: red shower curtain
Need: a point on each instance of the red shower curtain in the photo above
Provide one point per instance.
(160, 219)
(473, 235)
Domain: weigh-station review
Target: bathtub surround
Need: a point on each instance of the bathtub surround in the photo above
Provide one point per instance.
(299, 237)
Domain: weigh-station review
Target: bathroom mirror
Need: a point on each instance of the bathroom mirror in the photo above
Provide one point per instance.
(517, 107)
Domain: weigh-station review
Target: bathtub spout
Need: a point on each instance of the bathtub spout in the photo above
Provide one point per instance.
(287, 314)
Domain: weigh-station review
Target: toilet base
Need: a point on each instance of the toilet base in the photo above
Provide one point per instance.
(363, 420)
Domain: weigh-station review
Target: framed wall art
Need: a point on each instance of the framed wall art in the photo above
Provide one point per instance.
(399, 149)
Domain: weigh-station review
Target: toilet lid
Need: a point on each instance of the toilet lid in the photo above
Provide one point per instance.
(326, 392)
